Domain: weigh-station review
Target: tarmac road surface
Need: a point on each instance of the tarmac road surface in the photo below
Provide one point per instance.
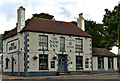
(101, 77)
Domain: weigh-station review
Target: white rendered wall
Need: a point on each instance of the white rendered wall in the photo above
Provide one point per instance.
(69, 50)
(115, 63)
(106, 63)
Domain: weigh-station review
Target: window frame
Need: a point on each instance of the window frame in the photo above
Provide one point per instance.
(43, 61)
(62, 44)
(52, 64)
(78, 46)
(6, 64)
(43, 43)
(86, 64)
(101, 62)
(78, 65)
(110, 59)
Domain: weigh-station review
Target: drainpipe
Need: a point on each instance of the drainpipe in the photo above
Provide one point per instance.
(91, 58)
(18, 53)
(2, 57)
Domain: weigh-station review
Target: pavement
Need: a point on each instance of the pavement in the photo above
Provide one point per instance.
(55, 77)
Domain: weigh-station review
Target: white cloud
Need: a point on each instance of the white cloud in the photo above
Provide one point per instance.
(63, 10)
(114, 50)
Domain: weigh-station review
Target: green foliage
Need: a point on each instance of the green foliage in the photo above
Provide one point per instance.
(96, 30)
(111, 21)
(43, 15)
(5, 33)
(74, 22)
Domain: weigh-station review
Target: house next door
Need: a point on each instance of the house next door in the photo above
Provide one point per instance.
(62, 63)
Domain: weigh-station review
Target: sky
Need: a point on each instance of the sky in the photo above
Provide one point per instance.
(63, 10)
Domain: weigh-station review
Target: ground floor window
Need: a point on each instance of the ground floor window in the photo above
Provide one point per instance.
(86, 64)
(79, 62)
(100, 62)
(52, 64)
(7, 61)
(110, 62)
(43, 62)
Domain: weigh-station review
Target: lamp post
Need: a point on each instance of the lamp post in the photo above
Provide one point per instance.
(118, 41)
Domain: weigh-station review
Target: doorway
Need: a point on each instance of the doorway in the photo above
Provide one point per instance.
(12, 72)
(62, 63)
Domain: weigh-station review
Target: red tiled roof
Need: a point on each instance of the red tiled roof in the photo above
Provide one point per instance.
(51, 26)
(102, 52)
(11, 33)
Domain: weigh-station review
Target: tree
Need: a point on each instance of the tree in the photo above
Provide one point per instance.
(94, 29)
(44, 15)
(111, 21)
(74, 22)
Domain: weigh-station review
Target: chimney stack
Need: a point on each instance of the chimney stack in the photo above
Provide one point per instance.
(20, 18)
(81, 22)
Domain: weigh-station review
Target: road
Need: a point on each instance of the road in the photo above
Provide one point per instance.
(71, 78)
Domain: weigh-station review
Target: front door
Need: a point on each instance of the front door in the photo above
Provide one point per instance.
(12, 66)
(62, 63)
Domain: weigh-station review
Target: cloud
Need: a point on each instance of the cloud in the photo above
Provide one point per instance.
(63, 10)
(8, 10)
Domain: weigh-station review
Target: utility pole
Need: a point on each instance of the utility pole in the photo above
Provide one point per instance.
(118, 51)
(118, 40)
(18, 53)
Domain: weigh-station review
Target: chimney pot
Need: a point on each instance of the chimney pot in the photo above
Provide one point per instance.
(80, 22)
(21, 18)
(81, 15)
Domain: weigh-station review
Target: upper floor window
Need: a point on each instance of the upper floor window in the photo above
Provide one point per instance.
(79, 45)
(43, 42)
(62, 43)
(110, 62)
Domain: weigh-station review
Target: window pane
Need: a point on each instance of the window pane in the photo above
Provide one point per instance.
(43, 42)
(100, 63)
(110, 62)
(79, 62)
(43, 62)
(52, 64)
(79, 45)
(62, 44)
